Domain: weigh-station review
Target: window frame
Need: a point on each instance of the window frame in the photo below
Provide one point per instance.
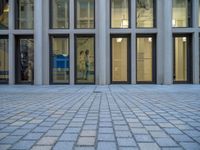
(154, 58)
(51, 15)
(75, 57)
(6, 37)
(75, 16)
(51, 60)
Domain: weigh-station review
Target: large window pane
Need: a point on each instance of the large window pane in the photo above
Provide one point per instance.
(60, 60)
(144, 59)
(59, 14)
(4, 9)
(25, 14)
(119, 59)
(85, 13)
(24, 60)
(85, 62)
(181, 13)
(3, 59)
(145, 13)
(119, 13)
(180, 59)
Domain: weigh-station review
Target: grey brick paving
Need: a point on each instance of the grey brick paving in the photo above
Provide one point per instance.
(114, 117)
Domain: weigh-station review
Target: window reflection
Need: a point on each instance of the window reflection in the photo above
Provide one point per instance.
(4, 9)
(85, 63)
(181, 13)
(119, 14)
(85, 14)
(144, 59)
(60, 59)
(25, 15)
(145, 13)
(59, 13)
(25, 60)
(119, 59)
(3, 59)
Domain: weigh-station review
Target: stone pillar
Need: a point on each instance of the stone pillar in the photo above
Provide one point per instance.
(11, 46)
(102, 40)
(167, 43)
(38, 50)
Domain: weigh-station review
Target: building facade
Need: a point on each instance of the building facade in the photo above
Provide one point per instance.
(99, 41)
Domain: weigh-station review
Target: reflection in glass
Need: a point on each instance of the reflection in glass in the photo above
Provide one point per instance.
(85, 14)
(144, 59)
(145, 13)
(60, 60)
(85, 62)
(180, 13)
(25, 62)
(119, 59)
(3, 60)
(120, 14)
(4, 9)
(180, 59)
(25, 16)
(59, 14)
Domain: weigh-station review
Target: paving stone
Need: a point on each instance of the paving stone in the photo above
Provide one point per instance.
(5, 146)
(106, 137)
(148, 146)
(106, 146)
(143, 138)
(41, 147)
(23, 145)
(168, 142)
(190, 145)
(88, 133)
(33, 136)
(63, 146)
(47, 141)
(87, 141)
(68, 137)
(126, 142)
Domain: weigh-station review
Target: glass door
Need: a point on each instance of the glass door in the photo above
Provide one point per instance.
(120, 59)
(146, 60)
(24, 60)
(182, 59)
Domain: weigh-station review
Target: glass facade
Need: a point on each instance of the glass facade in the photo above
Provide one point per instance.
(4, 10)
(120, 13)
(120, 59)
(145, 59)
(85, 59)
(59, 14)
(3, 59)
(145, 13)
(181, 13)
(85, 14)
(60, 59)
(24, 59)
(24, 14)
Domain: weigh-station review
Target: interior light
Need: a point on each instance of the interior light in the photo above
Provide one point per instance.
(184, 39)
(119, 40)
(150, 39)
(6, 10)
(174, 23)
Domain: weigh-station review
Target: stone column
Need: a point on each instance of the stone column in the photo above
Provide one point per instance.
(167, 43)
(11, 47)
(38, 42)
(102, 40)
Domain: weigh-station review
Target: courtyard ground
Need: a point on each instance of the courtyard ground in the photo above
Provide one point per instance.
(88, 117)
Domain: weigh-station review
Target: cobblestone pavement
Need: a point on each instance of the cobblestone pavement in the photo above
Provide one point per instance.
(115, 117)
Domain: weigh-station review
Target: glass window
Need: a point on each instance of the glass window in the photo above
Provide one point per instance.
(145, 59)
(3, 59)
(145, 13)
(24, 60)
(85, 14)
(4, 9)
(199, 13)
(59, 13)
(181, 15)
(85, 60)
(120, 67)
(60, 59)
(182, 59)
(120, 13)
(25, 14)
